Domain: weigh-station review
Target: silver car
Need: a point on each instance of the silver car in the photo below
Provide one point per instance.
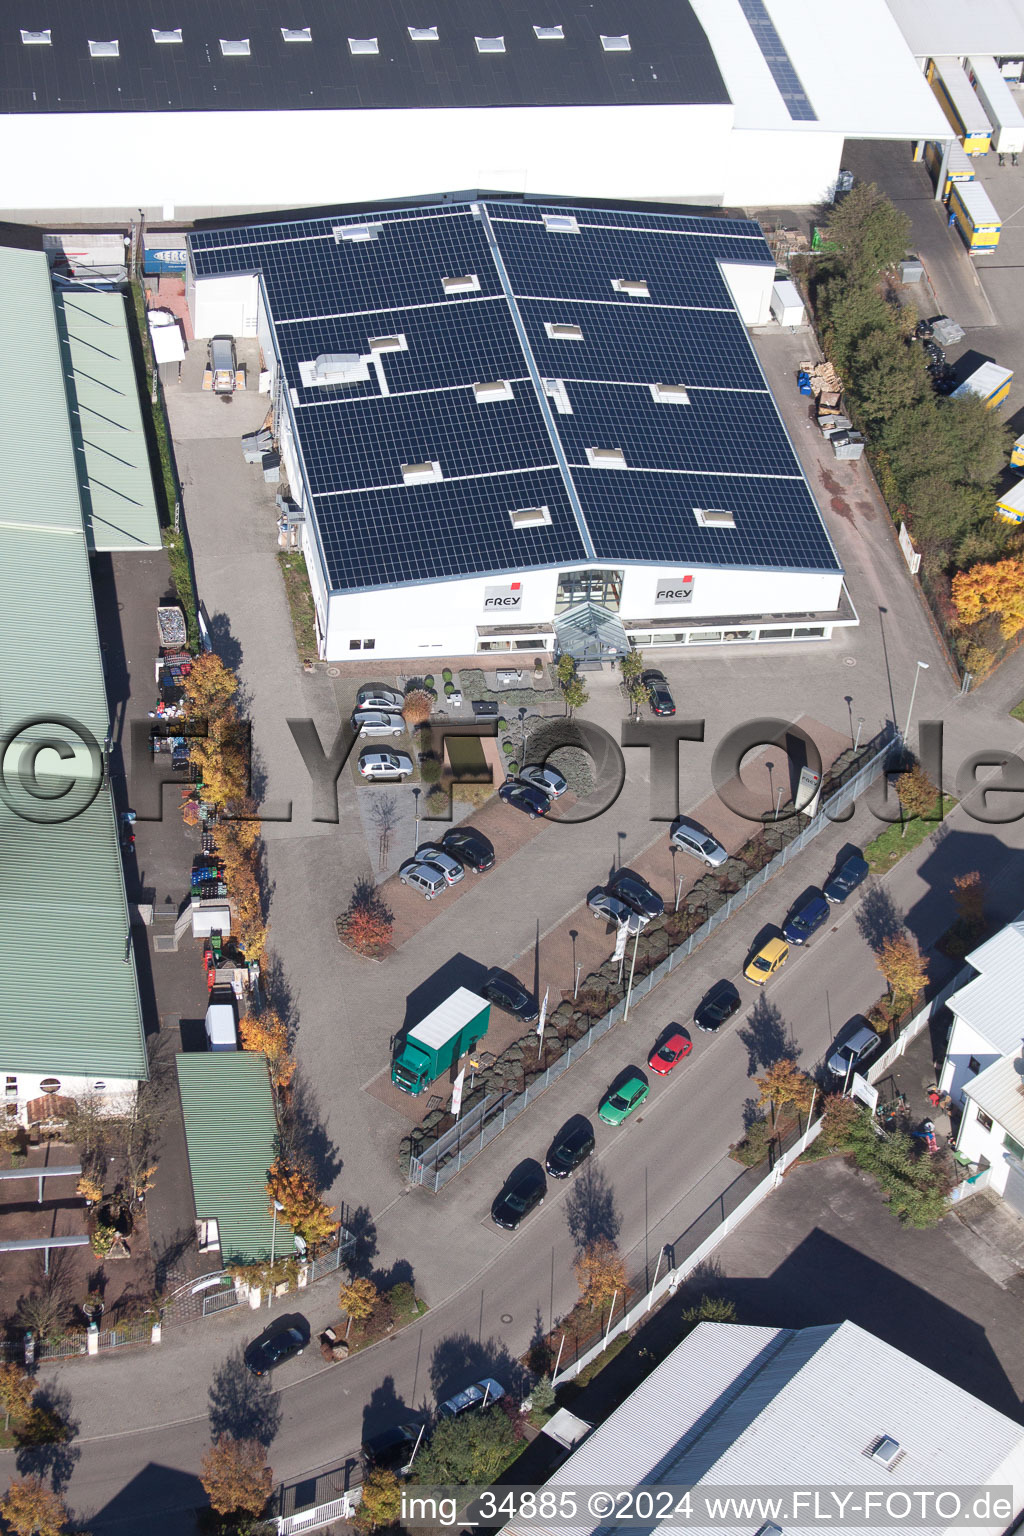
(604, 904)
(854, 1050)
(437, 858)
(384, 765)
(425, 877)
(375, 696)
(377, 722)
(548, 780)
(690, 837)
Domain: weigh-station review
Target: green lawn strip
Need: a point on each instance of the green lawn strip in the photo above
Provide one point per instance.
(1018, 711)
(300, 601)
(891, 845)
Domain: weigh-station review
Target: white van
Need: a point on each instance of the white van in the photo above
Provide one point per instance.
(221, 1030)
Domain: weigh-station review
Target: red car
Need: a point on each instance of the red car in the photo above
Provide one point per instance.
(670, 1049)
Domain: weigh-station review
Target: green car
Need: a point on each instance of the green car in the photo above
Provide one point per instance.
(619, 1104)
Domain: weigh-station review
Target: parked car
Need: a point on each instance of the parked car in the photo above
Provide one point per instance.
(524, 797)
(690, 837)
(521, 1194)
(619, 1103)
(504, 991)
(376, 696)
(548, 780)
(571, 1147)
(377, 722)
(481, 1395)
(853, 1050)
(662, 702)
(430, 853)
(614, 910)
(636, 893)
(770, 958)
(282, 1341)
(716, 1006)
(393, 1448)
(470, 847)
(672, 1047)
(805, 920)
(420, 875)
(384, 765)
(851, 873)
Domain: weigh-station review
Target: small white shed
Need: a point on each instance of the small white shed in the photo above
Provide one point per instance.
(787, 305)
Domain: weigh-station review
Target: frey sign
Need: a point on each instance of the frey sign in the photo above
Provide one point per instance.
(506, 599)
(673, 589)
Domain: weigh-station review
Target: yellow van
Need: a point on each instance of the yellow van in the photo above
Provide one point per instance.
(770, 958)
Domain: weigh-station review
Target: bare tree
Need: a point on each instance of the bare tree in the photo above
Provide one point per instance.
(385, 814)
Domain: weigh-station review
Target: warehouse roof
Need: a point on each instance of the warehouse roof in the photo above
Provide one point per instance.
(743, 1409)
(117, 486)
(230, 1131)
(961, 26)
(62, 899)
(486, 387)
(232, 55)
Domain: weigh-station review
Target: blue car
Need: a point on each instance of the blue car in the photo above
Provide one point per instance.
(806, 920)
(847, 878)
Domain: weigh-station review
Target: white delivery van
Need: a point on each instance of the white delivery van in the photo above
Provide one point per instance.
(221, 1027)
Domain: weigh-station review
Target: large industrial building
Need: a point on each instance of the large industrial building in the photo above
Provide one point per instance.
(187, 107)
(515, 427)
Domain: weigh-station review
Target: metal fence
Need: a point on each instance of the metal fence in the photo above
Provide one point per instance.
(444, 1158)
(128, 1333)
(220, 1301)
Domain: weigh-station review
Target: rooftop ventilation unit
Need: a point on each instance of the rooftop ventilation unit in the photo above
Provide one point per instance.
(561, 223)
(297, 34)
(468, 284)
(549, 34)
(530, 517)
(421, 474)
(714, 517)
(559, 332)
(497, 389)
(670, 394)
(234, 46)
(619, 44)
(606, 458)
(36, 37)
(423, 34)
(490, 45)
(108, 50)
(633, 287)
(389, 343)
(886, 1450)
(356, 231)
(363, 45)
(170, 35)
(334, 368)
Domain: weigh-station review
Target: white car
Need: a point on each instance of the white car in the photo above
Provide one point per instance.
(427, 878)
(604, 904)
(377, 722)
(384, 765)
(691, 837)
(548, 780)
(431, 854)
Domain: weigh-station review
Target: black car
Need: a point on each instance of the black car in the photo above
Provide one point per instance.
(392, 1448)
(716, 1006)
(636, 893)
(662, 702)
(470, 847)
(847, 877)
(572, 1146)
(524, 797)
(522, 1192)
(280, 1342)
(805, 920)
(504, 991)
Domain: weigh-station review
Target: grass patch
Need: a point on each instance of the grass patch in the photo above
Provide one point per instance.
(300, 601)
(588, 1372)
(181, 575)
(1018, 711)
(891, 845)
(474, 686)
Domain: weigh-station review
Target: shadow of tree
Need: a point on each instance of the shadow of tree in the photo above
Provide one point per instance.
(399, 1273)
(241, 1404)
(539, 1352)
(45, 1448)
(766, 1037)
(752, 1111)
(363, 1251)
(877, 918)
(590, 1211)
(304, 1137)
(459, 1361)
(170, 1256)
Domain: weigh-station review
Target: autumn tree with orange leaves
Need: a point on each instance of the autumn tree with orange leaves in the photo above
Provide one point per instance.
(903, 966)
(600, 1272)
(302, 1209)
(996, 589)
(236, 1476)
(31, 1509)
(268, 1033)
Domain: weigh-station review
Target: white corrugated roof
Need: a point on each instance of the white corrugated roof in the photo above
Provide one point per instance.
(991, 1003)
(767, 1409)
(447, 1017)
(961, 26)
(997, 1093)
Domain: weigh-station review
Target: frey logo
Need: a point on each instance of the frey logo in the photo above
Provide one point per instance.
(505, 599)
(673, 589)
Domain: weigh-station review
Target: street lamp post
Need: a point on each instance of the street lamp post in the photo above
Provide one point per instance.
(416, 812)
(860, 727)
(273, 1232)
(522, 735)
(679, 892)
(778, 802)
(573, 936)
(771, 780)
(632, 967)
(922, 666)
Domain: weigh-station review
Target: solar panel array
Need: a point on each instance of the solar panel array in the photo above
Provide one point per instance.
(573, 360)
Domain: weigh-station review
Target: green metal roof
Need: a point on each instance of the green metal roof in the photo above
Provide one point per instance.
(69, 999)
(230, 1131)
(117, 485)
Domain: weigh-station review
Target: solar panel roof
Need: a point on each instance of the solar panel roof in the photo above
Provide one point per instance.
(416, 466)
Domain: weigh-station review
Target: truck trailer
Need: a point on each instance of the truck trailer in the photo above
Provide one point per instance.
(997, 100)
(964, 112)
(439, 1040)
(989, 382)
(974, 216)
